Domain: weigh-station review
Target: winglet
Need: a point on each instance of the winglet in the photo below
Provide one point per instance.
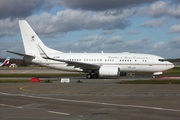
(42, 53)
(45, 56)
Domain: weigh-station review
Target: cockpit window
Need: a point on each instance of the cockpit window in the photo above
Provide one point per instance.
(161, 60)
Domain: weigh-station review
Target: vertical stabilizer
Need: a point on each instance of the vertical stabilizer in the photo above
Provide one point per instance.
(31, 40)
(6, 62)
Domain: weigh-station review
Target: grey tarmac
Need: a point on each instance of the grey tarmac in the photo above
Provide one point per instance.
(94, 99)
(88, 101)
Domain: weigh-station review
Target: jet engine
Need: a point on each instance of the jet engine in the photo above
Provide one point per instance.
(109, 71)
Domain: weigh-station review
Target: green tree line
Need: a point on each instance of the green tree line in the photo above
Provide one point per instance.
(18, 62)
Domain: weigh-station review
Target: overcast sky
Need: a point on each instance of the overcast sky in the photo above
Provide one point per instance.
(138, 26)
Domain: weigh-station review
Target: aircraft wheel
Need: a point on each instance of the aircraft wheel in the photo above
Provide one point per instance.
(89, 76)
(153, 76)
(95, 76)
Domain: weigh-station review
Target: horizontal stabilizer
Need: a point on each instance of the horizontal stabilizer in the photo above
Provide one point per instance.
(20, 54)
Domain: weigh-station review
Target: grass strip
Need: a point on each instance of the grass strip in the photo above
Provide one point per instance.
(40, 75)
(24, 81)
(175, 70)
(14, 81)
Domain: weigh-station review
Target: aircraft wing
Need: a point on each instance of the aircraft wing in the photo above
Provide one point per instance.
(81, 65)
(20, 54)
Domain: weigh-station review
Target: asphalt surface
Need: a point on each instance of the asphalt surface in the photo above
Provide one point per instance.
(96, 99)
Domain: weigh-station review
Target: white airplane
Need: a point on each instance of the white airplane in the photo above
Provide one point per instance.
(94, 64)
(5, 63)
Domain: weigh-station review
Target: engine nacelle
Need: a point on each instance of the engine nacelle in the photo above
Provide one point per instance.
(109, 71)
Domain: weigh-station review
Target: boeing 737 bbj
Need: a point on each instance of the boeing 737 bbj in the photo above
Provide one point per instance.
(94, 64)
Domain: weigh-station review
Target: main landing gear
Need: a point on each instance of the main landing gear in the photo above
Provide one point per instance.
(90, 76)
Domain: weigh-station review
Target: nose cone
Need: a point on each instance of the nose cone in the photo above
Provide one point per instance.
(170, 65)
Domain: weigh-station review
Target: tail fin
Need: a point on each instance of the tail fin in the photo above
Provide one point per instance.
(31, 40)
(6, 62)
